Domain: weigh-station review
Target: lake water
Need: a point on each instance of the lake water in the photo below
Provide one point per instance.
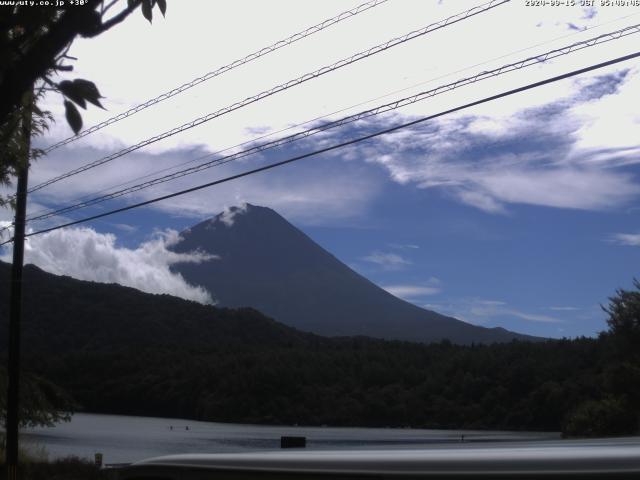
(123, 439)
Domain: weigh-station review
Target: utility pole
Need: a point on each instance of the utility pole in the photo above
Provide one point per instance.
(15, 305)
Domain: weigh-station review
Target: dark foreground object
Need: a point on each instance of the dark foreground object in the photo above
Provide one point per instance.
(293, 442)
(577, 459)
(70, 468)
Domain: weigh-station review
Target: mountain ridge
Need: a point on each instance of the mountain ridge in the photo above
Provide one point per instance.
(63, 314)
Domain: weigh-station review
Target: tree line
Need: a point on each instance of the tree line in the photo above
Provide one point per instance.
(117, 350)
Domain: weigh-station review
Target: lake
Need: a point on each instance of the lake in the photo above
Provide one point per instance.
(125, 439)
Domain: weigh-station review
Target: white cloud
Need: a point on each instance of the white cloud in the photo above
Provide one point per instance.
(564, 309)
(493, 184)
(532, 316)
(125, 227)
(493, 310)
(85, 254)
(574, 188)
(229, 213)
(478, 199)
(558, 154)
(387, 260)
(410, 292)
(404, 246)
(627, 239)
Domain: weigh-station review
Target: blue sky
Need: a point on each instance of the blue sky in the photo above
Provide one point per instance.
(521, 213)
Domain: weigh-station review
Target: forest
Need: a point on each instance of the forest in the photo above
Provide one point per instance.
(569, 385)
(113, 349)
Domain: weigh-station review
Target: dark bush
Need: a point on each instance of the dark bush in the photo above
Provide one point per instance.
(598, 418)
(70, 468)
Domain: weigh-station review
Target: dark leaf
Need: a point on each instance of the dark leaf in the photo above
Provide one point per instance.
(162, 4)
(146, 10)
(88, 91)
(70, 90)
(73, 116)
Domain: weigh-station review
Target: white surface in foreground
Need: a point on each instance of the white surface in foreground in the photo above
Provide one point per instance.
(124, 439)
(620, 455)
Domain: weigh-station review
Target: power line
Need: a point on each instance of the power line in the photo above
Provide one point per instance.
(540, 58)
(219, 71)
(291, 83)
(343, 144)
(87, 197)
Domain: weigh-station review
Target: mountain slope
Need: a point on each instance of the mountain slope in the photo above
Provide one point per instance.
(268, 264)
(61, 314)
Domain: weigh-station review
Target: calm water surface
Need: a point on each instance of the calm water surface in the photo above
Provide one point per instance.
(123, 439)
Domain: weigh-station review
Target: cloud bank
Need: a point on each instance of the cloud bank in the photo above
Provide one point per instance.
(559, 154)
(85, 254)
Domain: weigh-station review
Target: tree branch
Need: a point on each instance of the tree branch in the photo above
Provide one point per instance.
(40, 57)
(113, 20)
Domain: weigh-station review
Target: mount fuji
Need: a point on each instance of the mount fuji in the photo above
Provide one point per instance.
(266, 263)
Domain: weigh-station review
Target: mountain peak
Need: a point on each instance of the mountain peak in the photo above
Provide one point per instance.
(229, 215)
